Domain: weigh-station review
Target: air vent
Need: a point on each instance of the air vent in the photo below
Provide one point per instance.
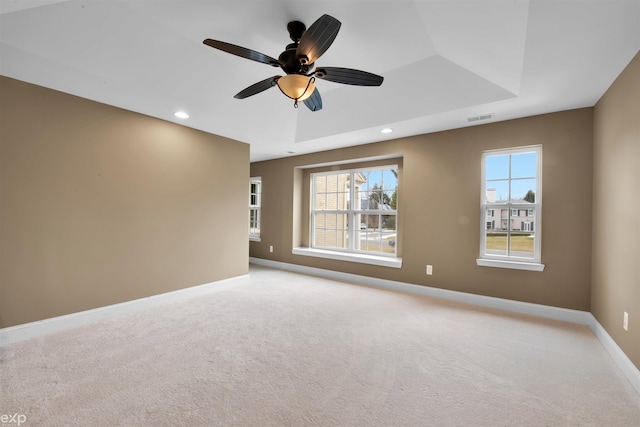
(480, 118)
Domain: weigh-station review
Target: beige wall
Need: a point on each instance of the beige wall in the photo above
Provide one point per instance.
(100, 205)
(439, 209)
(616, 210)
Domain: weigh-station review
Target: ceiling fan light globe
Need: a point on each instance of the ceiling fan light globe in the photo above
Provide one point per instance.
(297, 86)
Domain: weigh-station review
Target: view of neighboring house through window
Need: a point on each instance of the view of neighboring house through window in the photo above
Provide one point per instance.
(255, 201)
(355, 210)
(511, 202)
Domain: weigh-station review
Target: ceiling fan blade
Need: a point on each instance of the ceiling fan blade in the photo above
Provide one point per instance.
(257, 87)
(317, 39)
(242, 52)
(348, 76)
(314, 102)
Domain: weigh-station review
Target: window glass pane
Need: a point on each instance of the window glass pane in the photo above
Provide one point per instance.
(330, 237)
(364, 222)
(394, 200)
(254, 222)
(320, 183)
(319, 220)
(370, 239)
(320, 201)
(332, 201)
(330, 230)
(495, 243)
(374, 179)
(389, 200)
(361, 241)
(376, 197)
(332, 183)
(496, 191)
(521, 187)
(362, 180)
(390, 179)
(497, 167)
(319, 237)
(522, 244)
(504, 219)
(380, 236)
(525, 221)
(343, 201)
(330, 221)
(388, 234)
(523, 165)
(361, 199)
(389, 223)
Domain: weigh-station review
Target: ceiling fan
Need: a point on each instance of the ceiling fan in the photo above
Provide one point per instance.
(298, 60)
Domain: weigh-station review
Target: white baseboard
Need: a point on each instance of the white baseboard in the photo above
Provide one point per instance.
(548, 312)
(556, 313)
(619, 357)
(25, 331)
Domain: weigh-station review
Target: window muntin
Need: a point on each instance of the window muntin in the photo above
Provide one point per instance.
(255, 203)
(511, 191)
(355, 210)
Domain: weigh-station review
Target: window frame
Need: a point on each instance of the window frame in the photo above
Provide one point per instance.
(352, 211)
(255, 232)
(511, 261)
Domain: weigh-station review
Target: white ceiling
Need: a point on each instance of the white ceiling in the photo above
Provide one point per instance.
(442, 61)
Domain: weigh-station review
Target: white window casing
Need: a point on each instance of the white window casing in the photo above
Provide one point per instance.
(515, 239)
(353, 215)
(255, 205)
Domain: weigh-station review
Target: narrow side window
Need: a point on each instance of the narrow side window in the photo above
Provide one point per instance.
(255, 202)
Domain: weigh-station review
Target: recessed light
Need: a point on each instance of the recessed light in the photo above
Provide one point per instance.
(181, 115)
(386, 130)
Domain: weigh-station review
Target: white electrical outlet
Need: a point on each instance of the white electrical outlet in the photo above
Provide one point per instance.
(625, 321)
(271, 248)
(429, 270)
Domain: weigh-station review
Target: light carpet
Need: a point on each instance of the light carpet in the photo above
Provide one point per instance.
(284, 349)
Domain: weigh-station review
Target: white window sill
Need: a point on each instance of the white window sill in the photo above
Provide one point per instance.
(254, 239)
(516, 265)
(383, 261)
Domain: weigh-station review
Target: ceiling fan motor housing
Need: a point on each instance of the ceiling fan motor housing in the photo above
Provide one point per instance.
(290, 62)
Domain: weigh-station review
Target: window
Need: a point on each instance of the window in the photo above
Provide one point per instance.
(255, 201)
(355, 210)
(511, 184)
